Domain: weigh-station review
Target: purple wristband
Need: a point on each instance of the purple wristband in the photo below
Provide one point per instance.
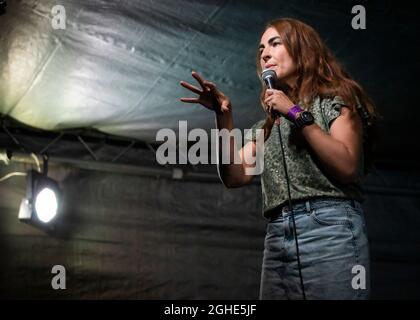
(291, 115)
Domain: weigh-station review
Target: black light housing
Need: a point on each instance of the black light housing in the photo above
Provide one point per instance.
(42, 203)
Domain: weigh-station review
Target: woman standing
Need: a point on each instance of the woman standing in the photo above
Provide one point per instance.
(316, 248)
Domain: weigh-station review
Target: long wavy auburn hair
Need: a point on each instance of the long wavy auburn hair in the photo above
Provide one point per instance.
(318, 73)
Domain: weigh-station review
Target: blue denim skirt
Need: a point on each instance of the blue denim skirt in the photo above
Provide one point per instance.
(333, 250)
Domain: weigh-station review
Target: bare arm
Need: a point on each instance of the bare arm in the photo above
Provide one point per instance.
(338, 151)
(232, 175)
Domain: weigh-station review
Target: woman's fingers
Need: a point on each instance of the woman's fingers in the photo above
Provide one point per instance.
(209, 84)
(267, 100)
(268, 103)
(212, 87)
(209, 96)
(190, 100)
(197, 77)
(267, 94)
(190, 87)
(206, 85)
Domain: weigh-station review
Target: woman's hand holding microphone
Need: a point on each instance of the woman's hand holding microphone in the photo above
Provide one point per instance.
(277, 102)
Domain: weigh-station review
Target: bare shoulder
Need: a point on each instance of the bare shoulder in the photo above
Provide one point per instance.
(348, 120)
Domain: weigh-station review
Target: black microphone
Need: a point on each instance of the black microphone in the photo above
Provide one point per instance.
(270, 78)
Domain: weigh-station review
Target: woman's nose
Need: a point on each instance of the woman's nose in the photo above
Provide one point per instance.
(265, 55)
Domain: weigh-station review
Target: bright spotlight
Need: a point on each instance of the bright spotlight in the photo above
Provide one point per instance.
(46, 205)
(42, 202)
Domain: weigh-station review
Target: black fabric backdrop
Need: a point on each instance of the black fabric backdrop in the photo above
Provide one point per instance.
(132, 237)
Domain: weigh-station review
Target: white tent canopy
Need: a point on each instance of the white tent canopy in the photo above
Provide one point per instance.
(116, 66)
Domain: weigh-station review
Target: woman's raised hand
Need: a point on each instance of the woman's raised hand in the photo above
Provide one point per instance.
(208, 96)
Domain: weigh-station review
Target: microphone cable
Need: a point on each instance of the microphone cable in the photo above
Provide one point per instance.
(269, 77)
(292, 213)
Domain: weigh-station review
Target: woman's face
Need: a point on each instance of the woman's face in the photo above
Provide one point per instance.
(274, 56)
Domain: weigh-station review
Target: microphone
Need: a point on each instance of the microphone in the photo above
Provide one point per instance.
(270, 78)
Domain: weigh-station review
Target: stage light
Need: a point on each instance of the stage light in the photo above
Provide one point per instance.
(42, 202)
(46, 205)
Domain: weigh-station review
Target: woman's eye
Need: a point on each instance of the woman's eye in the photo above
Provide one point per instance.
(276, 43)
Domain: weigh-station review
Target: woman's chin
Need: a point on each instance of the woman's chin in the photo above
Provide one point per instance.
(281, 76)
